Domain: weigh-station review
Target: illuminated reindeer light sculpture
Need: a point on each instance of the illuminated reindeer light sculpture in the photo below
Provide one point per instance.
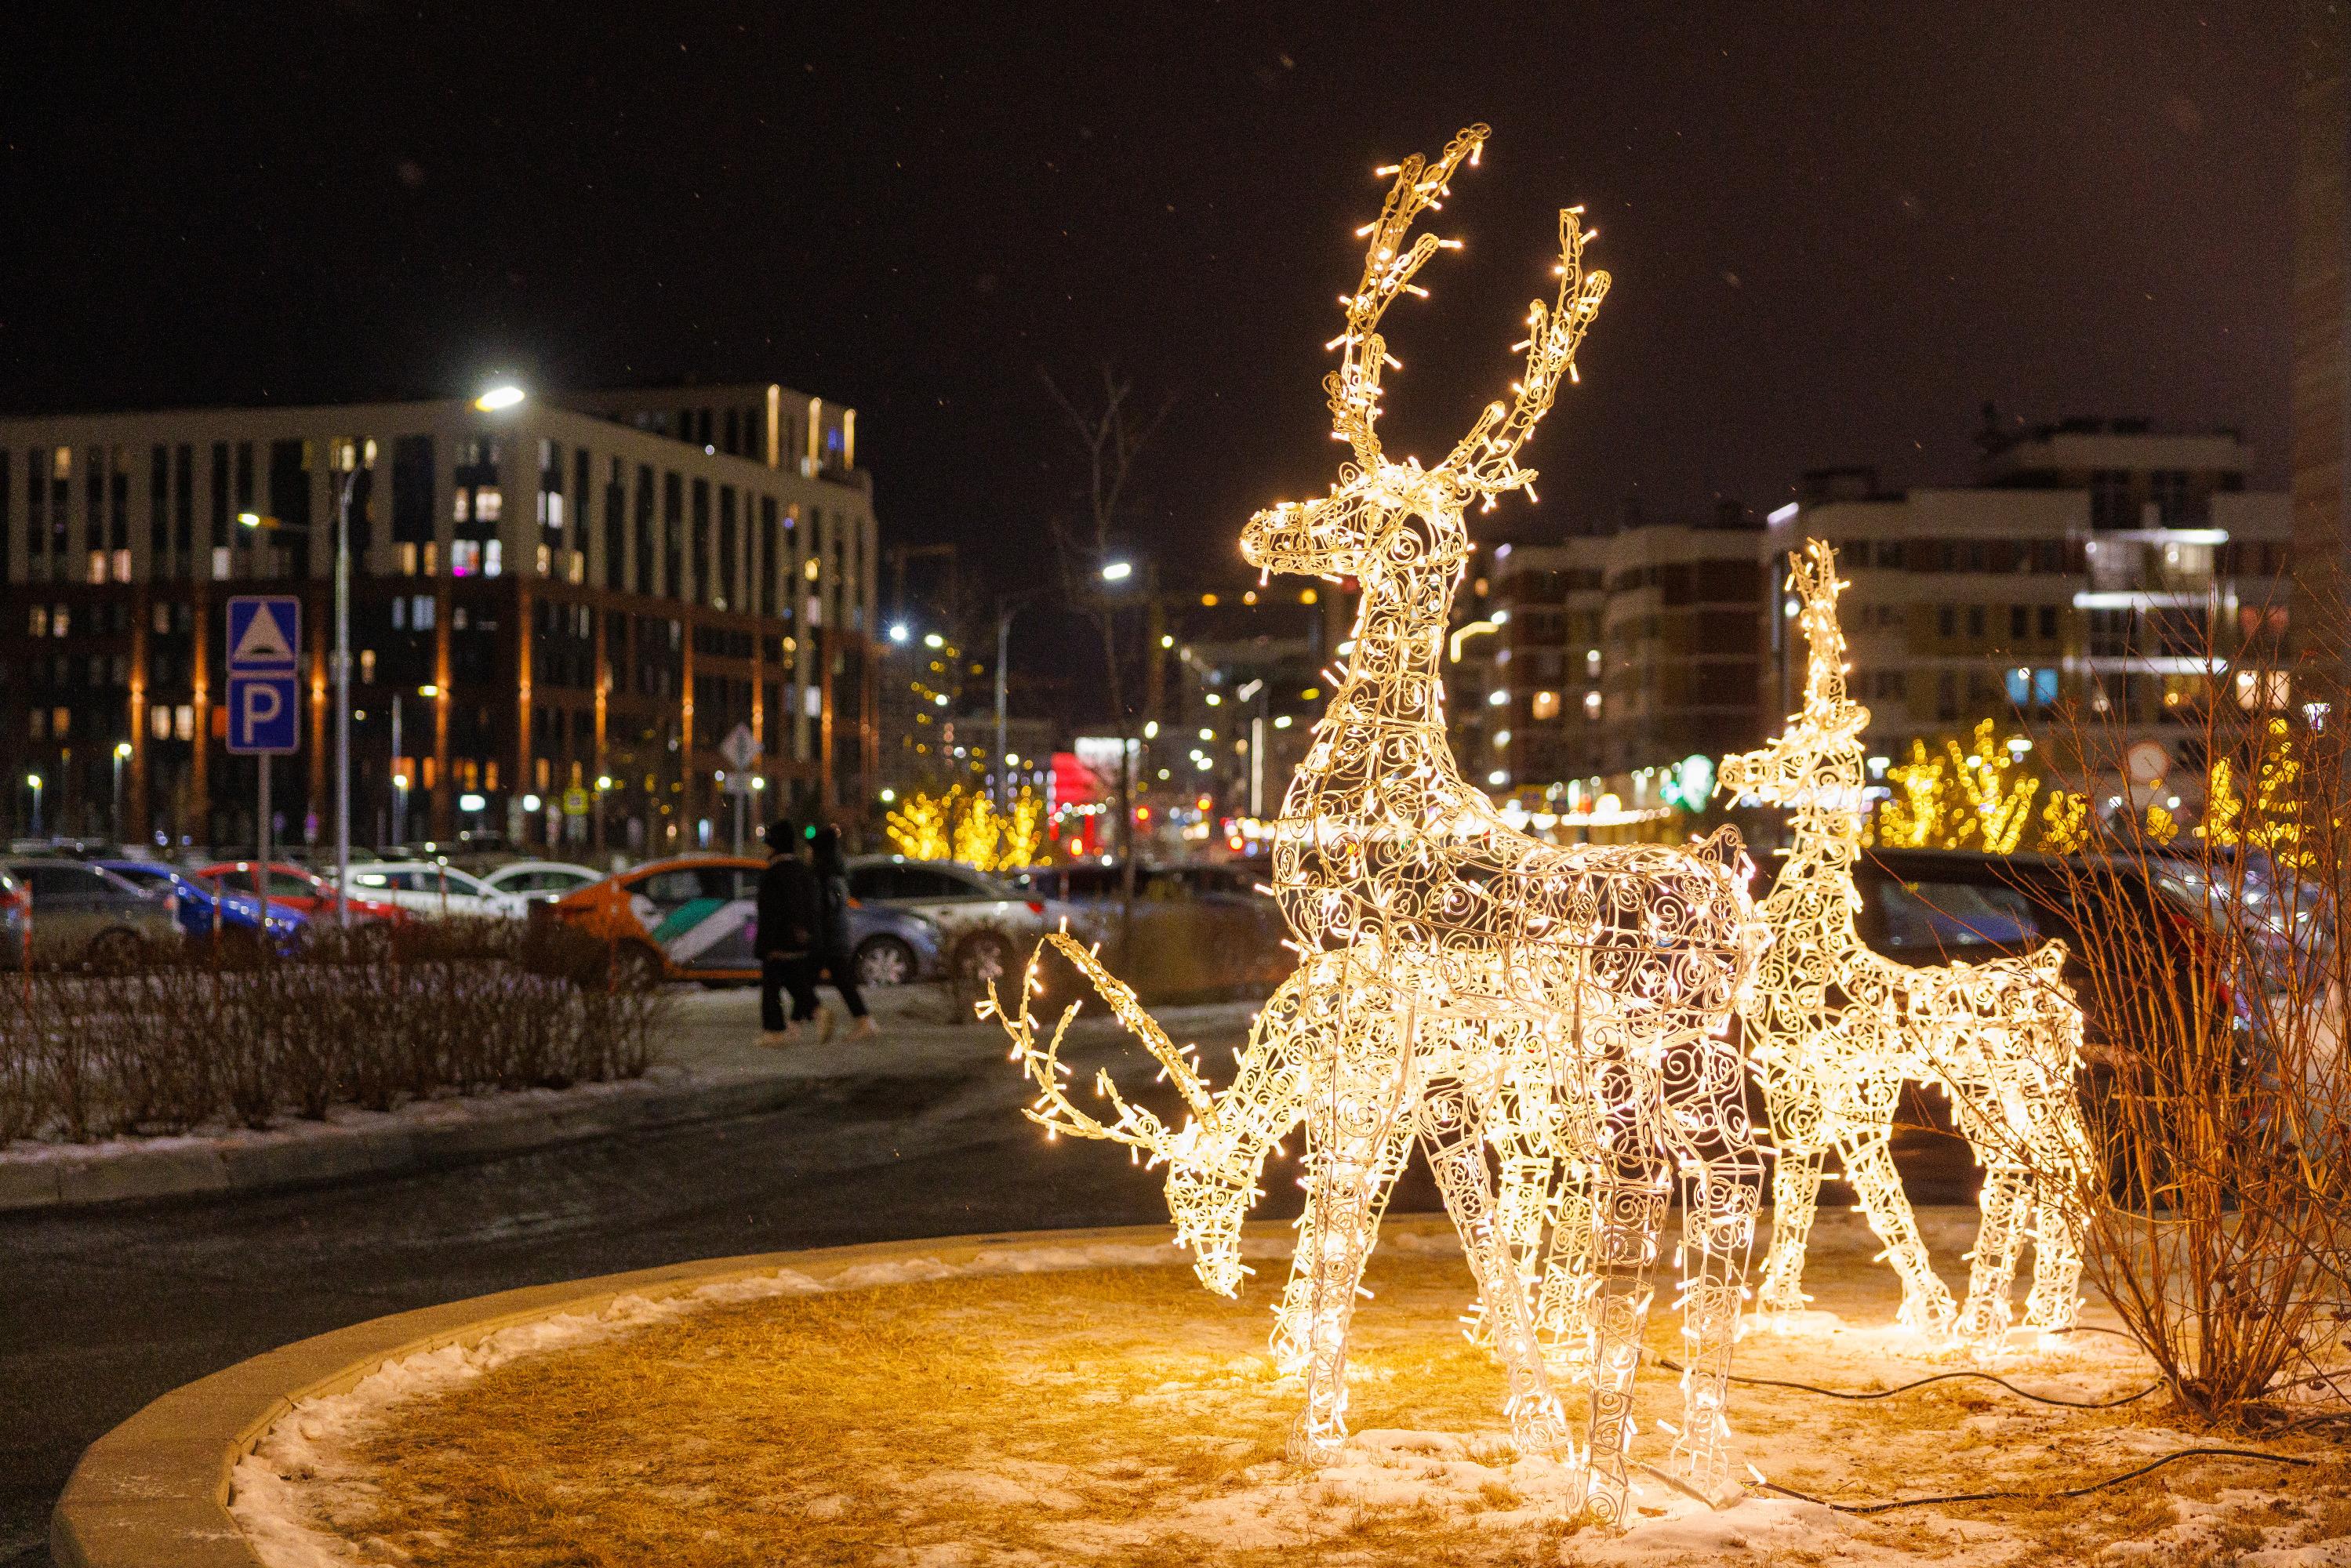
(1832, 1030)
(1462, 986)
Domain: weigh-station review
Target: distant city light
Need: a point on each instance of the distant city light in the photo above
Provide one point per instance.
(530, 802)
(932, 640)
(505, 394)
(1117, 570)
(470, 802)
(898, 632)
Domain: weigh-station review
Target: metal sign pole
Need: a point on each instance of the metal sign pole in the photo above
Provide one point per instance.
(261, 867)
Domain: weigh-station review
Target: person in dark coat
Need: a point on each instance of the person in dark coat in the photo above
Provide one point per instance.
(789, 918)
(832, 949)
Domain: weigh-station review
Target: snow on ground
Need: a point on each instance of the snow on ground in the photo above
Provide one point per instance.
(305, 1470)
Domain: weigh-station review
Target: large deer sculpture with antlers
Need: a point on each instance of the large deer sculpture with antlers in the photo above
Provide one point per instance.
(1834, 1029)
(1489, 995)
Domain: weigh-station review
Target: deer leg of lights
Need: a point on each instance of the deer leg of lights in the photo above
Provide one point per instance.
(1453, 1138)
(1707, 1129)
(1865, 1111)
(1795, 1198)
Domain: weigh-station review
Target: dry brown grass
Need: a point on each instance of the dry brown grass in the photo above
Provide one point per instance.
(1125, 1416)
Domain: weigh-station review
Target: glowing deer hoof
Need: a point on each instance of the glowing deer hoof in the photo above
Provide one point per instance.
(1222, 1275)
(1938, 1320)
(1313, 1446)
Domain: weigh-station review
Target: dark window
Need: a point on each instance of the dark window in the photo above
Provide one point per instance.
(726, 558)
(2049, 622)
(2110, 500)
(2019, 621)
(672, 533)
(183, 501)
(411, 490)
(1975, 619)
(763, 567)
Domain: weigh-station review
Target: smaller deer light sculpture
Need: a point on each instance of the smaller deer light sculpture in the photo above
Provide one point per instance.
(1834, 1029)
(1487, 996)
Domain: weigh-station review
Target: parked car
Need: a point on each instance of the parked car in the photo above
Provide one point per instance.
(303, 891)
(1200, 926)
(85, 914)
(430, 888)
(989, 926)
(692, 918)
(207, 904)
(540, 881)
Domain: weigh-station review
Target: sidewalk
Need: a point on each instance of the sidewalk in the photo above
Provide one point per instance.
(708, 1066)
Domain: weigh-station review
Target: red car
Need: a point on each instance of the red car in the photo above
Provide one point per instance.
(306, 890)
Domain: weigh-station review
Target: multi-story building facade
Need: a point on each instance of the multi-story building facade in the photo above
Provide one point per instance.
(2097, 562)
(558, 615)
(1588, 667)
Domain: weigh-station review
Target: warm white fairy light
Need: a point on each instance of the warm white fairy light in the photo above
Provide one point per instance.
(1556, 1011)
(1834, 1028)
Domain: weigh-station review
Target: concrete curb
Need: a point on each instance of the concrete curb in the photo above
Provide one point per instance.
(315, 1154)
(154, 1491)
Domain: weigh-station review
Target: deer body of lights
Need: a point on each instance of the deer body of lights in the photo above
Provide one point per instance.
(1496, 999)
(1832, 1031)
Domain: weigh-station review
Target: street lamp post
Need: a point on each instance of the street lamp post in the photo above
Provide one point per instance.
(1007, 605)
(34, 780)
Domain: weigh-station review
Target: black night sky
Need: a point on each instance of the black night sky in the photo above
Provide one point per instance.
(1833, 239)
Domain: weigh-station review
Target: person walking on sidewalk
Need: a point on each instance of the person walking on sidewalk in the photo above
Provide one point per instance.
(832, 935)
(789, 916)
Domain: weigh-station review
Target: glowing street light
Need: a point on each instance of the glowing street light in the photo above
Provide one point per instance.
(932, 640)
(503, 395)
(899, 632)
(1117, 570)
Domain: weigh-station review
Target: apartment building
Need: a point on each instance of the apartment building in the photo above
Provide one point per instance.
(1590, 667)
(2095, 562)
(560, 609)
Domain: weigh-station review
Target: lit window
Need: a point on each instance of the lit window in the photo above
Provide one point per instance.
(408, 561)
(546, 562)
(810, 569)
(487, 504)
(60, 722)
(367, 657)
(1501, 740)
(464, 558)
(60, 620)
(421, 612)
(98, 565)
(490, 558)
(1591, 704)
(122, 566)
(463, 508)
(159, 722)
(1545, 705)
(1499, 697)
(183, 722)
(40, 622)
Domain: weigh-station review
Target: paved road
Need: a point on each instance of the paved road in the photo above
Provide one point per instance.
(916, 1135)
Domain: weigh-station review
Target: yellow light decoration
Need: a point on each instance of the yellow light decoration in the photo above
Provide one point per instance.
(1975, 798)
(1559, 1011)
(1834, 1029)
(965, 825)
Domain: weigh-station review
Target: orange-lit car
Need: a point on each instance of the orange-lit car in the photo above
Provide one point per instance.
(693, 918)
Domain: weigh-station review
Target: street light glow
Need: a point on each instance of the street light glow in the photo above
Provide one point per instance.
(505, 394)
(932, 640)
(249, 519)
(1117, 570)
(898, 632)
(121, 748)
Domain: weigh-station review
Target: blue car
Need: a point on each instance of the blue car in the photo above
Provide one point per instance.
(203, 903)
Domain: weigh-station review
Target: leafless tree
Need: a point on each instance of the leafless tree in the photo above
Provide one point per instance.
(1111, 432)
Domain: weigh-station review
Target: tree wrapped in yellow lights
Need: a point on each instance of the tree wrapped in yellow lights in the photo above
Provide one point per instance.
(1951, 799)
(1834, 1029)
(1556, 1011)
(965, 825)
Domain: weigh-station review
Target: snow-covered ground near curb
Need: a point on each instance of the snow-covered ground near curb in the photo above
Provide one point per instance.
(306, 1471)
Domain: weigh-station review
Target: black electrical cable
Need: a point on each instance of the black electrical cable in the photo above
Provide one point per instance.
(1921, 1383)
(2035, 1495)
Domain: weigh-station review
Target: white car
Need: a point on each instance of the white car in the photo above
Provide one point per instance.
(988, 927)
(430, 888)
(541, 882)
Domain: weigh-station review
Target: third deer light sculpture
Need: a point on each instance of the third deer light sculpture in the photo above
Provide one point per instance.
(1489, 996)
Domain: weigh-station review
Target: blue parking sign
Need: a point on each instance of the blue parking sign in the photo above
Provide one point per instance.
(263, 632)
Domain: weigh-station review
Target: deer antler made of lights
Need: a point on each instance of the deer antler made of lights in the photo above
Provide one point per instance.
(1489, 995)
